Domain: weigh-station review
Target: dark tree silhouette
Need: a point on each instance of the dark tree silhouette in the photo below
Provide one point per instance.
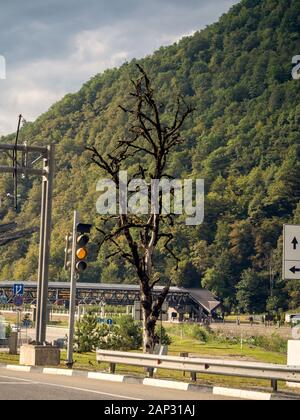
(8, 233)
(150, 137)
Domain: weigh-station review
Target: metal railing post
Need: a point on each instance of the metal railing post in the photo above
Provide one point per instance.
(274, 385)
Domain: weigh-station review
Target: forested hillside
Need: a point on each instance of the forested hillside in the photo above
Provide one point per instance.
(243, 139)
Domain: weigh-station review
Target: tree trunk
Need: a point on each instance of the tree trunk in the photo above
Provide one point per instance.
(148, 322)
(148, 334)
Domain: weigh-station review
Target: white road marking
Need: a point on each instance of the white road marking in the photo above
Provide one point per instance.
(72, 388)
(14, 383)
(18, 379)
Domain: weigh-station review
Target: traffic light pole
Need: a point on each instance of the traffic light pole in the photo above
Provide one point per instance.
(72, 307)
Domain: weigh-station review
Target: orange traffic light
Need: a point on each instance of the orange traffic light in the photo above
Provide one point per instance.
(81, 253)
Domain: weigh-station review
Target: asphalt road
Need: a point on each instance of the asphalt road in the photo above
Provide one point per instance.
(34, 386)
(53, 333)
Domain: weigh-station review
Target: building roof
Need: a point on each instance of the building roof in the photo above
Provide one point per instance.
(205, 298)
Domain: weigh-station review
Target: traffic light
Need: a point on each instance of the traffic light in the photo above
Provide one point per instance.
(84, 228)
(81, 251)
(68, 252)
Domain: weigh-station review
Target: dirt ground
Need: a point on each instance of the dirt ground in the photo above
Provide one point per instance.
(247, 330)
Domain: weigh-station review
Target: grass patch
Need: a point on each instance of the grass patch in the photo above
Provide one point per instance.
(225, 350)
(204, 338)
(8, 359)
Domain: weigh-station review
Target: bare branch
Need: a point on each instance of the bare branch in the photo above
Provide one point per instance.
(160, 301)
(150, 137)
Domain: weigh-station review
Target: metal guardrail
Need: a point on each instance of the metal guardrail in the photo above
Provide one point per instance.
(195, 365)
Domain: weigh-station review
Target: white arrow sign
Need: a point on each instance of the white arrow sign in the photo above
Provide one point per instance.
(291, 254)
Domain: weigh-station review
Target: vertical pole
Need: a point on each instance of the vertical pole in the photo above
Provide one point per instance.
(15, 156)
(161, 327)
(45, 243)
(194, 376)
(41, 260)
(274, 385)
(72, 307)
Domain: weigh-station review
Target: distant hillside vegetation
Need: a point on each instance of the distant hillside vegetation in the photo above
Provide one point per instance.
(243, 140)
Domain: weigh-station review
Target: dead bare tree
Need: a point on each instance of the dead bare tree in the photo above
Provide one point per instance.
(151, 138)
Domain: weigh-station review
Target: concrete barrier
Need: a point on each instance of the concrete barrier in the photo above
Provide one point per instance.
(31, 355)
(294, 358)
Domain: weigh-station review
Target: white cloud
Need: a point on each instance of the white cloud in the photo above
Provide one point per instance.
(59, 59)
(34, 88)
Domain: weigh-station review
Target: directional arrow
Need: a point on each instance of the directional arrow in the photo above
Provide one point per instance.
(295, 270)
(295, 243)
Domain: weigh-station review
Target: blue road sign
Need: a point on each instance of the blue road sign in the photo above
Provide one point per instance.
(18, 289)
(26, 323)
(101, 321)
(18, 301)
(110, 322)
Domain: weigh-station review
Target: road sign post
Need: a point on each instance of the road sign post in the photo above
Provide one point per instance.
(18, 301)
(18, 289)
(291, 252)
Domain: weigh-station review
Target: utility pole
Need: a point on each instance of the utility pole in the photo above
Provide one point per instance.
(25, 167)
(15, 163)
(45, 237)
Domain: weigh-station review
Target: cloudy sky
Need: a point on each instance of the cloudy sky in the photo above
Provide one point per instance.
(51, 47)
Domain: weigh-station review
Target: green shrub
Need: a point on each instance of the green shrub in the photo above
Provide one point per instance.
(193, 331)
(130, 331)
(274, 343)
(87, 334)
(125, 334)
(8, 331)
(199, 333)
(163, 336)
